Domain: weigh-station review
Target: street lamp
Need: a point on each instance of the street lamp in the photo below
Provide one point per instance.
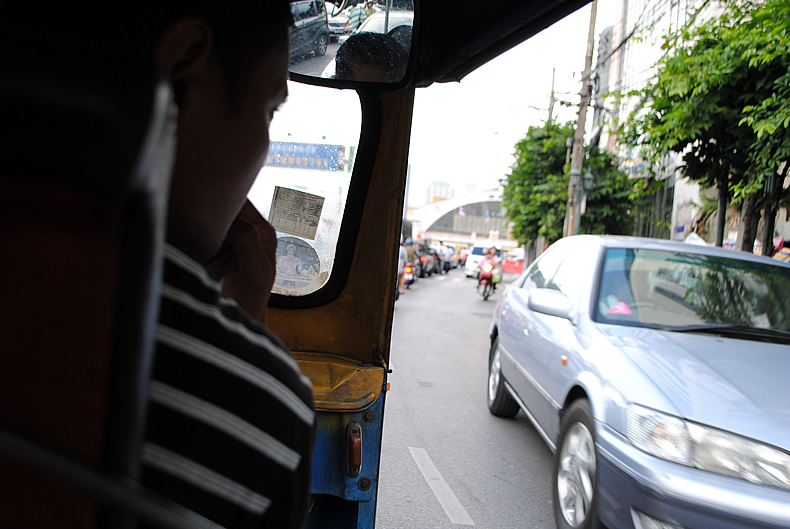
(584, 188)
(588, 182)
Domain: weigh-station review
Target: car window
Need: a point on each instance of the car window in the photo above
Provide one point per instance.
(664, 288)
(480, 251)
(544, 268)
(303, 187)
(302, 10)
(573, 277)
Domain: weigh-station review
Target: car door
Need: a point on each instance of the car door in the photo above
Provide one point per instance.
(301, 32)
(509, 321)
(317, 26)
(552, 350)
(523, 332)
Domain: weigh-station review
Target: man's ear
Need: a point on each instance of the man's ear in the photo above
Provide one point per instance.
(184, 48)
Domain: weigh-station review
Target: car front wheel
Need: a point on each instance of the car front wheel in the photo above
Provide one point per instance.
(575, 471)
(500, 403)
(321, 45)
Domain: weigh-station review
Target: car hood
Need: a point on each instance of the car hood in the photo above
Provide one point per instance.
(741, 386)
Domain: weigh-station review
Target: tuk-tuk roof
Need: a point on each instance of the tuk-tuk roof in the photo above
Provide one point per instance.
(458, 36)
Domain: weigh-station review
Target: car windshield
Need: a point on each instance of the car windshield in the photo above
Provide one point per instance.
(673, 289)
(480, 250)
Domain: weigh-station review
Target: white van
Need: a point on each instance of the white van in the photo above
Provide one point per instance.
(473, 258)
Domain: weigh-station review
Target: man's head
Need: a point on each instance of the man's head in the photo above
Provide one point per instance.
(227, 63)
(374, 57)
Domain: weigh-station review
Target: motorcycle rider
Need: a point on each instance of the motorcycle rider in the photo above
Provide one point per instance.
(488, 259)
(494, 262)
(411, 253)
(402, 262)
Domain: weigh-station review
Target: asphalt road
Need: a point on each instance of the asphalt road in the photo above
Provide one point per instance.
(312, 65)
(446, 461)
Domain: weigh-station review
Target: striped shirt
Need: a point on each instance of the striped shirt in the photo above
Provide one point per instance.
(231, 425)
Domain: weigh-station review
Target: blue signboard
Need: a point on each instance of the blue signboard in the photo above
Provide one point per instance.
(306, 156)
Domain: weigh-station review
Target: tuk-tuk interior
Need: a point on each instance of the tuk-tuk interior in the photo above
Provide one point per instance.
(85, 159)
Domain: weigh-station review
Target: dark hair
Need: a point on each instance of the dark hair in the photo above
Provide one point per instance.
(243, 30)
(378, 50)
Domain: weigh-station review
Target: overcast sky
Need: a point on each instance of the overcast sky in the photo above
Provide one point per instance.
(464, 132)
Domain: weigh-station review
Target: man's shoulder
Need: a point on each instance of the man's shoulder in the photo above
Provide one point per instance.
(231, 419)
(192, 301)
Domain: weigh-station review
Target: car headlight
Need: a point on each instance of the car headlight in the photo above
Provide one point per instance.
(706, 448)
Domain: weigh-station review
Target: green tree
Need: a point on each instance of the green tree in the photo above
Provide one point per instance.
(536, 190)
(609, 202)
(721, 97)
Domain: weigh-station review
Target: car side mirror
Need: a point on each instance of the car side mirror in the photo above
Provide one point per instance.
(551, 302)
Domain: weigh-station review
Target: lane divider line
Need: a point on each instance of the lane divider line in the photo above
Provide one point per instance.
(444, 494)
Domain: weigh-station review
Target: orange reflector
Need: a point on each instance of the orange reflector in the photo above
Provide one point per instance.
(388, 386)
(354, 450)
(564, 360)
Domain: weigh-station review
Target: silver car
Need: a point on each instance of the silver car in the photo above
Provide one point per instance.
(659, 375)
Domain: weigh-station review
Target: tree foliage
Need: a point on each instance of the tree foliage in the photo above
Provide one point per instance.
(534, 194)
(610, 201)
(721, 96)
(536, 190)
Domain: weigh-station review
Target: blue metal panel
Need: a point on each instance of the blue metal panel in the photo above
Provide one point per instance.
(329, 465)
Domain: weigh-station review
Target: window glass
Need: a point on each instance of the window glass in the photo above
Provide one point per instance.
(480, 250)
(573, 277)
(661, 288)
(539, 273)
(302, 189)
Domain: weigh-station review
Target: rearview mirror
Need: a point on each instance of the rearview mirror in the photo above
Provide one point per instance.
(551, 302)
(351, 40)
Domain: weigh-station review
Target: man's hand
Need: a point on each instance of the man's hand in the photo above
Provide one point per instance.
(245, 265)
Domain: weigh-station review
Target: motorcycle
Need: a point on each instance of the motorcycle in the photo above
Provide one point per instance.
(486, 280)
(409, 274)
(427, 263)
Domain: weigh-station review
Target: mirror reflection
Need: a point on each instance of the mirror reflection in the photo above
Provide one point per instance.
(351, 40)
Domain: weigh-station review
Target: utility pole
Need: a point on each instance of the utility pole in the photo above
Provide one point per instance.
(572, 212)
(551, 99)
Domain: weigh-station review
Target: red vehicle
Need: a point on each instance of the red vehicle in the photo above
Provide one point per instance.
(486, 278)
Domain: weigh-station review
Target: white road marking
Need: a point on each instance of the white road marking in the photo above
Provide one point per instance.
(444, 494)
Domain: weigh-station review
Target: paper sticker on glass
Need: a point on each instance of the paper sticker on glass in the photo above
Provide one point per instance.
(296, 212)
(298, 267)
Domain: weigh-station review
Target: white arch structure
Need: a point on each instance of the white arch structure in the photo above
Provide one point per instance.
(424, 217)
